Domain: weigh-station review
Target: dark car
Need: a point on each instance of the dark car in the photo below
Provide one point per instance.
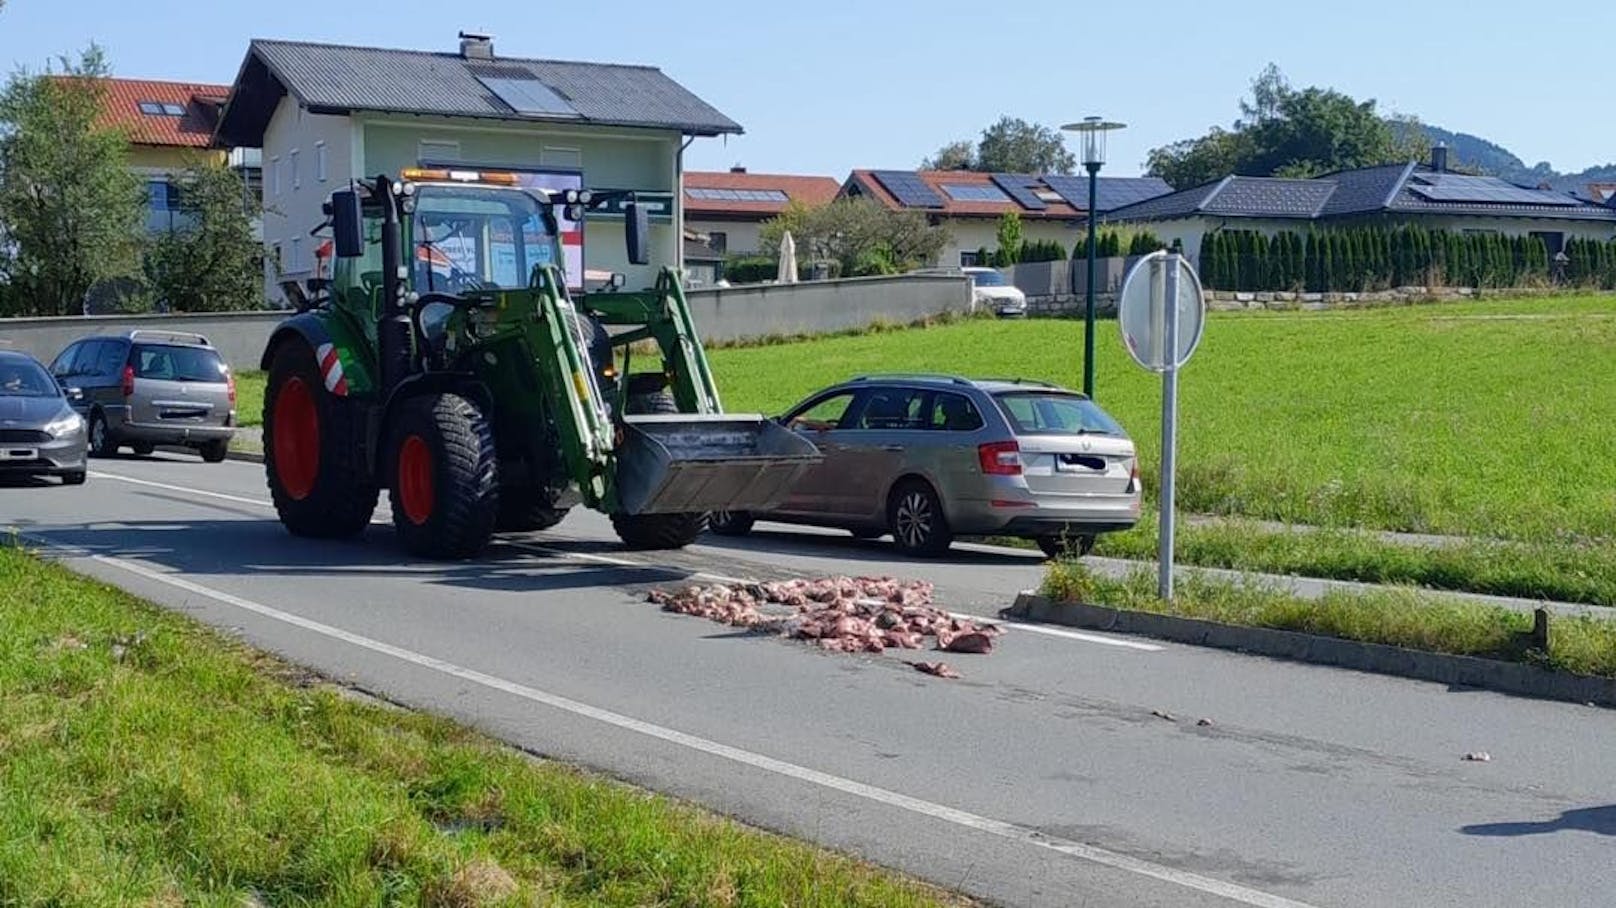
(142, 389)
(930, 457)
(40, 433)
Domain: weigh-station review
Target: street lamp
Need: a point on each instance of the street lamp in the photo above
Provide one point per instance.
(1093, 130)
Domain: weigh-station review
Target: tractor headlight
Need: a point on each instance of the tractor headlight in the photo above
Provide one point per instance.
(64, 426)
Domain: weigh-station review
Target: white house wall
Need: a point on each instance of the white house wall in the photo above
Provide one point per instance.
(739, 236)
(971, 234)
(294, 193)
(610, 159)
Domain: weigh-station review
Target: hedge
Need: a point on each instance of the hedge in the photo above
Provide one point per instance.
(1378, 257)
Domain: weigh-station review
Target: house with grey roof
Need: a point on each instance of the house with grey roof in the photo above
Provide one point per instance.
(1427, 195)
(324, 114)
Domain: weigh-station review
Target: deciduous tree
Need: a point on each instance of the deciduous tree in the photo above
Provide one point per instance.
(210, 263)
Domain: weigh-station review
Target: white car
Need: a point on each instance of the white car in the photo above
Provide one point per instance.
(990, 289)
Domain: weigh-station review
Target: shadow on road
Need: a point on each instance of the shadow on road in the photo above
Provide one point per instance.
(1600, 820)
(262, 548)
(847, 548)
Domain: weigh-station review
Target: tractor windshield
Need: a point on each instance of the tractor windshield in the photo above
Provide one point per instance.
(466, 239)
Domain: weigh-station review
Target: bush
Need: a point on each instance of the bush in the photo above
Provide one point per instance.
(1144, 243)
(1042, 251)
(752, 269)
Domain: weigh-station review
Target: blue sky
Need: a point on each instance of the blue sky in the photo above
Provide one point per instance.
(828, 86)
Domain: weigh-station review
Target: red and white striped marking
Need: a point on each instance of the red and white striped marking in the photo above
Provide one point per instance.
(331, 369)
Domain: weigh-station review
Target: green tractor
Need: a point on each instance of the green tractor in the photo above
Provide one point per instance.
(446, 361)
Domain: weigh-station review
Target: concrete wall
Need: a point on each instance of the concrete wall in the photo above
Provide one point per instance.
(240, 336)
(814, 307)
(720, 314)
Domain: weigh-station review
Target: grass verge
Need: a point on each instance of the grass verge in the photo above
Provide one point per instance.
(1580, 645)
(143, 759)
(1568, 572)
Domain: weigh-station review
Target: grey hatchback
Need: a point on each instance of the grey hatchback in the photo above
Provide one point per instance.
(40, 435)
(930, 457)
(148, 388)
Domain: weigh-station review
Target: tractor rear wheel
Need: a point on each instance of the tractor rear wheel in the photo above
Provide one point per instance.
(445, 482)
(658, 531)
(523, 509)
(312, 459)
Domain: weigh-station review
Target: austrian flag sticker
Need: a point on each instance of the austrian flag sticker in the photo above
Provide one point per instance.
(331, 370)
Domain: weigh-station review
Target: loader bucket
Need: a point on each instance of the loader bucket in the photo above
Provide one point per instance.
(680, 463)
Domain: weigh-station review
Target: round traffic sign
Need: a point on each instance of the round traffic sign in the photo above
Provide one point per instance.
(1142, 312)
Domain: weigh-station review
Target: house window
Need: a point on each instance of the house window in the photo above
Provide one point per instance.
(275, 176)
(291, 160)
(161, 109)
(438, 151)
(718, 241)
(968, 259)
(320, 163)
(296, 263)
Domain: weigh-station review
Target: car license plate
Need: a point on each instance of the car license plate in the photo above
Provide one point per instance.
(19, 453)
(1079, 463)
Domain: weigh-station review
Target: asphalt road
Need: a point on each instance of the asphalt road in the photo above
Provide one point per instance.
(1041, 778)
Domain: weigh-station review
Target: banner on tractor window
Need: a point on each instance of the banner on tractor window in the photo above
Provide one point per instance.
(572, 232)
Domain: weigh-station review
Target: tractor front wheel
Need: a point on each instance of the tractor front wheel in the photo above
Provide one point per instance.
(658, 531)
(445, 483)
(316, 475)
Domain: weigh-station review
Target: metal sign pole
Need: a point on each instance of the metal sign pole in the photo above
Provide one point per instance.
(1169, 456)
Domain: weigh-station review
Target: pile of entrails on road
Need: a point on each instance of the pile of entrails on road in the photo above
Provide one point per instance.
(839, 614)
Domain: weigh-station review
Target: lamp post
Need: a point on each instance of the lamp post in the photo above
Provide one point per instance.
(1093, 130)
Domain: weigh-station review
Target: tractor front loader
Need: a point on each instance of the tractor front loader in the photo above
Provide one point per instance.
(447, 362)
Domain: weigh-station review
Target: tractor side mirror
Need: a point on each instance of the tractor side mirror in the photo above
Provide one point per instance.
(637, 228)
(347, 224)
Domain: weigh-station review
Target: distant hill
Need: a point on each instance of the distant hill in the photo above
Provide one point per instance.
(1466, 150)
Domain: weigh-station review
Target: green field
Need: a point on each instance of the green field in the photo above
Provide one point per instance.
(146, 761)
(1492, 419)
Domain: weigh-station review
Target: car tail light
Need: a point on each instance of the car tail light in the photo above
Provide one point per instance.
(1134, 484)
(230, 385)
(1000, 458)
(128, 384)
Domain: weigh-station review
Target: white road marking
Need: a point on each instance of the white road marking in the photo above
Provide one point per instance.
(964, 819)
(628, 562)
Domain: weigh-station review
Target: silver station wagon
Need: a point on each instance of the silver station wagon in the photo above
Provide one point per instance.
(927, 458)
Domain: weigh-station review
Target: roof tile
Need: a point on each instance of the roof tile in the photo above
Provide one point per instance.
(809, 190)
(201, 103)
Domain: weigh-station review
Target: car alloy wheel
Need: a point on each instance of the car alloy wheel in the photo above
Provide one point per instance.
(916, 520)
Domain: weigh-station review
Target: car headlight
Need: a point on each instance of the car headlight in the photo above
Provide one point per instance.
(62, 426)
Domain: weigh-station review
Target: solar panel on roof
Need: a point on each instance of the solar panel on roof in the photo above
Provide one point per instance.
(910, 190)
(1483, 190)
(1114, 192)
(528, 96)
(974, 192)
(1017, 188)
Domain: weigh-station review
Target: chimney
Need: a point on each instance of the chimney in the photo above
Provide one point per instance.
(475, 46)
(1439, 157)
(737, 169)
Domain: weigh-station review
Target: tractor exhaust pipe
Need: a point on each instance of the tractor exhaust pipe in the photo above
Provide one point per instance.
(393, 334)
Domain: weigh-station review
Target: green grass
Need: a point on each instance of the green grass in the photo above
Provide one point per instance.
(144, 760)
(1565, 572)
(250, 397)
(1581, 645)
(1491, 419)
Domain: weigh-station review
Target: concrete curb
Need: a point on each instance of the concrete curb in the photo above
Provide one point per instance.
(247, 456)
(1461, 671)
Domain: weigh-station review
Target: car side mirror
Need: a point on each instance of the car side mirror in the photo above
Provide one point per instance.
(74, 394)
(637, 233)
(347, 224)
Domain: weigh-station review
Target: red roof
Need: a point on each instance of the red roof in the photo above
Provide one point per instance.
(865, 183)
(808, 190)
(193, 128)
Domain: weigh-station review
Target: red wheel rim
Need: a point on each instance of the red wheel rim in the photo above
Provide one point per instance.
(297, 439)
(415, 491)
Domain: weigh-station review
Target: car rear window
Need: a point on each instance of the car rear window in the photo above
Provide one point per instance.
(175, 363)
(1043, 413)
